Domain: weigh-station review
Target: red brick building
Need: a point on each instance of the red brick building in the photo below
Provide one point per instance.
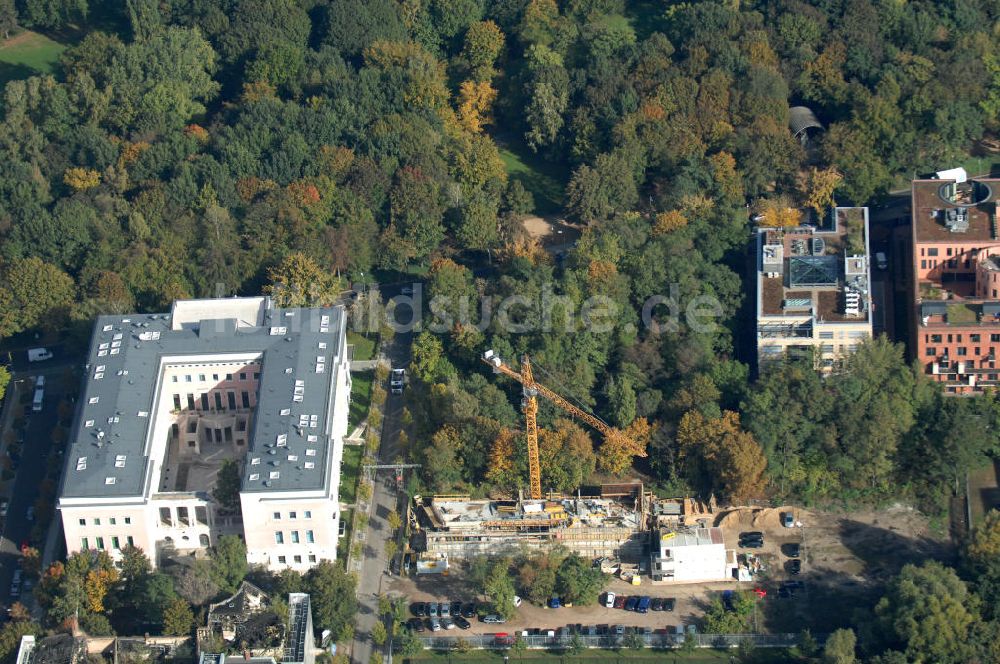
(955, 281)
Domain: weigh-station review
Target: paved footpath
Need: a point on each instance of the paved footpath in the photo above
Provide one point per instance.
(384, 500)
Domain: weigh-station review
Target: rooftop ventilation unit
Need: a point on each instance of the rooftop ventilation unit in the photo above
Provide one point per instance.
(818, 246)
(956, 219)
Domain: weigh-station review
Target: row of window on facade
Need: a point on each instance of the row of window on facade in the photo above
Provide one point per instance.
(99, 543)
(279, 537)
(202, 403)
(111, 520)
(949, 251)
(951, 263)
(307, 514)
(973, 338)
(283, 560)
(961, 351)
(189, 378)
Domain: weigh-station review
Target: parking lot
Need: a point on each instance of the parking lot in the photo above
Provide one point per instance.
(845, 559)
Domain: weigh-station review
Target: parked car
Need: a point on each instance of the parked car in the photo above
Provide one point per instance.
(669, 603)
(788, 520)
(554, 602)
(794, 566)
(448, 623)
(432, 609)
(793, 550)
(727, 600)
(456, 608)
(415, 624)
(881, 261)
(15, 584)
(493, 619)
(753, 534)
(30, 513)
(752, 543)
(444, 610)
(643, 605)
(435, 625)
(4, 505)
(462, 622)
(517, 601)
(397, 380)
(419, 609)
(620, 601)
(631, 603)
(609, 600)
(656, 604)
(619, 629)
(469, 610)
(692, 629)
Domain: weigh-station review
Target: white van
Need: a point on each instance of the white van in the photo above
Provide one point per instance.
(39, 354)
(881, 261)
(36, 403)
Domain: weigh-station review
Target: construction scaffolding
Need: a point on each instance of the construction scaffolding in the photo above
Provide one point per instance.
(610, 522)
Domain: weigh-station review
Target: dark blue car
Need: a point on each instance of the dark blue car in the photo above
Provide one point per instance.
(554, 603)
(632, 603)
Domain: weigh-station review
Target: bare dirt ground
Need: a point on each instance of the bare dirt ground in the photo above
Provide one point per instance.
(846, 559)
(551, 230)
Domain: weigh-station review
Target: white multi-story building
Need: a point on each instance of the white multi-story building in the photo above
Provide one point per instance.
(813, 290)
(689, 555)
(169, 399)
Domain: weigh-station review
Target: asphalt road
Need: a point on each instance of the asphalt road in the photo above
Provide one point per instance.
(384, 500)
(29, 475)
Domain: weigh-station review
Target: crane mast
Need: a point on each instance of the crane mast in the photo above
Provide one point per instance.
(531, 390)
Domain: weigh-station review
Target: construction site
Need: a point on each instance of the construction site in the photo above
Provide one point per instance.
(620, 524)
(614, 522)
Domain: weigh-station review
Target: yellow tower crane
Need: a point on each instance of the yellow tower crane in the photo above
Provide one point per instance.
(531, 390)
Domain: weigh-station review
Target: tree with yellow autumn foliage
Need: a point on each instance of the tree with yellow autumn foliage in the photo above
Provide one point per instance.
(719, 456)
(617, 451)
(475, 101)
(500, 470)
(819, 186)
(668, 222)
(81, 179)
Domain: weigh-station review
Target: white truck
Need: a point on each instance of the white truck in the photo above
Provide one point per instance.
(36, 402)
(39, 354)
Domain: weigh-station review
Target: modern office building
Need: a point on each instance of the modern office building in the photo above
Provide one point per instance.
(955, 280)
(171, 401)
(813, 289)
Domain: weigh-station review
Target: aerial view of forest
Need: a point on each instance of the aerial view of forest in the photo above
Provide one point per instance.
(155, 150)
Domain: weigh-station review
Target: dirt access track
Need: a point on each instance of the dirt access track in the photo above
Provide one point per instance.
(846, 559)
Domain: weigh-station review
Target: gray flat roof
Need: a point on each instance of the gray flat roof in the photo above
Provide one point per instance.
(118, 402)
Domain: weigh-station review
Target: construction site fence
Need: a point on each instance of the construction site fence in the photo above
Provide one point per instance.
(611, 641)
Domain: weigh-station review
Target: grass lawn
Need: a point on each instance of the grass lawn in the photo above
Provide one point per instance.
(702, 655)
(349, 469)
(545, 181)
(961, 313)
(364, 348)
(28, 54)
(344, 543)
(361, 394)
